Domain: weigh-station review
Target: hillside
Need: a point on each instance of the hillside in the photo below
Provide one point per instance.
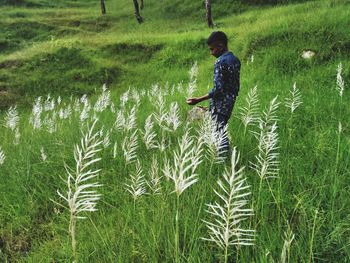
(64, 51)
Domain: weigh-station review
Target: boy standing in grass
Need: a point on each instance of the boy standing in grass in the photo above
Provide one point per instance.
(226, 83)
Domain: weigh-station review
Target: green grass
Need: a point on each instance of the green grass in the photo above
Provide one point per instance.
(67, 48)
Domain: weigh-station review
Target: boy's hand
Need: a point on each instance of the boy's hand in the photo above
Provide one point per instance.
(192, 101)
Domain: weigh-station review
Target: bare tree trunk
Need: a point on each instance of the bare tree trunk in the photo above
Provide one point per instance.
(103, 7)
(137, 12)
(208, 13)
(141, 5)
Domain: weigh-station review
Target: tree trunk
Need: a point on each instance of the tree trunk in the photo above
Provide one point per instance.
(141, 5)
(208, 13)
(103, 7)
(137, 12)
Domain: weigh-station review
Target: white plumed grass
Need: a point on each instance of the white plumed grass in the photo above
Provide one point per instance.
(213, 138)
(183, 175)
(294, 101)
(35, 118)
(227, 214)
(288, 239)
(182, 172)
(43, 154)
(11, 118)
(192, 86)
(149, 135)
(129, 147)
(267, 163)
(249, 114)
(154, 182)
(81, 195)
(103, 101)
(340, 80)
(2, 156)
(130, 121)
(269, 115)
(172, 118)
(136, 183)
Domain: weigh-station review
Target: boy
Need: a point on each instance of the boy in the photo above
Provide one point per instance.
(226, 83)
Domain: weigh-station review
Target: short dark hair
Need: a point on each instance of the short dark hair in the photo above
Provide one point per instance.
(217, 37)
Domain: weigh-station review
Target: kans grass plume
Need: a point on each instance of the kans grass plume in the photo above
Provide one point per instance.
(11, 118)
(340, 81)
(294, 101)
(213, 138)
(136, 184)
(249, 114)
(230, 211)
(81, 193)
(2, 156)
(149, 135)
(129, 147)
(182, 173)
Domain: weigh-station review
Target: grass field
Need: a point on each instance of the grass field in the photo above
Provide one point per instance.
(65, 52)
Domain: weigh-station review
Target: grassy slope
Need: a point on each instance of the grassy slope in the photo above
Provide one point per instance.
(74, 50)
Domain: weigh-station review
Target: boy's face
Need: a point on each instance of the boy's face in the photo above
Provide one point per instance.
(215, 50)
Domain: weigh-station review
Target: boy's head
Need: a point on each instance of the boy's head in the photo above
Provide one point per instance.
(217, 43)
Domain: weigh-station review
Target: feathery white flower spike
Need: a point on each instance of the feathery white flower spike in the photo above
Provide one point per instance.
(81, 195)
(130, 121)
(226, 230)
(136, 186)
(49, 103)
(104, 100)
(129, 147)
(136, 97)
(149, 135)
(2, 156)
(120, 120)
(340, 128)
(294, 101)
(192, 86)
(86, 109)
(161, 115)
(35, 117)
(340, 80)
(11, 118)
(65, 113)
(154, 182)
(269, 116)
(107, 139)
(182, 173)
(288, 239)
(115, 150)
(173, 118)
(213, 138)
(124, 98)
(43, 154)
(267, 163)
(250, 113)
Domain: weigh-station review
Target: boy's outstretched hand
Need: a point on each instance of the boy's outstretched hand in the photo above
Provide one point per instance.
(192, 101)
(195, 100)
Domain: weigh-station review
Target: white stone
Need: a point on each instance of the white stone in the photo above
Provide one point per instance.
(307, 54)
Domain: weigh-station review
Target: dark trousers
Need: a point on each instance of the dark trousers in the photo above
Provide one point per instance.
(221, 121)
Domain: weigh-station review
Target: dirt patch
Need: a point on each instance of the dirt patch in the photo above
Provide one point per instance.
(13, 245)
(11, 64)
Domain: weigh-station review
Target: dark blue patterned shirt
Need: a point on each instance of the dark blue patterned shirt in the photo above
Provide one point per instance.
(226, 84)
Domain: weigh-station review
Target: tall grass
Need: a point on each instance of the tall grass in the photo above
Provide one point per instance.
(307, 144)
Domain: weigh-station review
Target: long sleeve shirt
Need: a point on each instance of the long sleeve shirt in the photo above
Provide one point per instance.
(226, 84)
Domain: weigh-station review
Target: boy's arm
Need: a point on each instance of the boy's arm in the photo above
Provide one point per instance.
(195, 100)
(219, 72)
